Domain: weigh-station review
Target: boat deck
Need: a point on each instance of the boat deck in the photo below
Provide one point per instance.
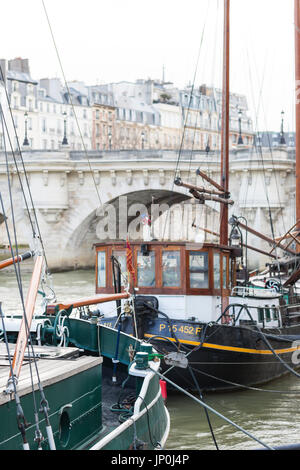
(54, 364)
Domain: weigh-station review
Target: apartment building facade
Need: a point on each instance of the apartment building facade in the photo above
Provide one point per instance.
(142, 115)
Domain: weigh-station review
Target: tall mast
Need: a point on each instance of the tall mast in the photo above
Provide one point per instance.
(225, 124)
(297, 86)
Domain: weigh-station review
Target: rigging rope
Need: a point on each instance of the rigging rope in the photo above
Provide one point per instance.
(20, 412)
(24, 170)
(71, 101)
(186, 117)
(209, 408)
(44, 403)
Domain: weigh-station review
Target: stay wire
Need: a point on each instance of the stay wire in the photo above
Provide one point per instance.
(205, 410)
(271, 154)
(29, 341)
(191, 96)
(19, 282)
(209, 408)
(71, 101)
(25, 172)
(259, 152)
(246, 387)
(19, 409)
(5, 128)
(186, 116)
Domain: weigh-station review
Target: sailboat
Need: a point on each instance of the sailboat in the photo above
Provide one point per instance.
(215, 331)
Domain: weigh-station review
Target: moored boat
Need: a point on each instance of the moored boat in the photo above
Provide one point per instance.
(196, 304)
(177, 307)
(95, 392)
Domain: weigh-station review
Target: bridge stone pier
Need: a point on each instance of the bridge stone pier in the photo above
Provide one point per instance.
(82, 198)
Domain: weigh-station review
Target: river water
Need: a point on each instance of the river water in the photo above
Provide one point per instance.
(270, 414)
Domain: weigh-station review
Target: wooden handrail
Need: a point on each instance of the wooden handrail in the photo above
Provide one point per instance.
(89, 301)
(8, 262)
(29, 311)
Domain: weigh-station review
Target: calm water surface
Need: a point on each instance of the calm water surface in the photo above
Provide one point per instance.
(272, 417)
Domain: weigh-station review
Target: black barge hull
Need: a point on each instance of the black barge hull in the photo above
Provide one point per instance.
(222, 357)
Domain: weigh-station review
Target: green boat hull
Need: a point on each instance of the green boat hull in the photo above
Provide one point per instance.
(76, 402)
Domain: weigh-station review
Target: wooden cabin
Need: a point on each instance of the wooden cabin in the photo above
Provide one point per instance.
(188, 279)
(168, 268)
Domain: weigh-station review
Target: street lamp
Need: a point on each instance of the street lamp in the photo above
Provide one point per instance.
(282, 138)
(143, 140)
(207, 148)
(26, 141)
(240, 140)
(65, 140)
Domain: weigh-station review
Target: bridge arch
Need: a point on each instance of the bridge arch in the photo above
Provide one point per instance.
(114, 218)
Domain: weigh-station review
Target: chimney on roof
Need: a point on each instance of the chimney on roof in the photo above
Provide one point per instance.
(203, 89)
(19, 65)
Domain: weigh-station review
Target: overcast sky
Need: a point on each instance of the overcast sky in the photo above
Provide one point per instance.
(114, 40)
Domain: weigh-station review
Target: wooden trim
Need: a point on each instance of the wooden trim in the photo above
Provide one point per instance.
(197, 290)
(29, 311)
(105, 250)
(91, 301)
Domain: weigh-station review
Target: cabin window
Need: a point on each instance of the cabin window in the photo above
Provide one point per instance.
(225, 266)
(171, 268)
(260, 315)
(121, 258)
(101, 269)
(146, 269)
(198, 267)
(275, 313)
(268, 314)
(217, 280)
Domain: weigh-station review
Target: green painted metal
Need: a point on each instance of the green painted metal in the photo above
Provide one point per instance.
(75, 413)
(141, 359)
(76, 402)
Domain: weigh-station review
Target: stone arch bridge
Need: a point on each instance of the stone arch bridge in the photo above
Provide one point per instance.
(70, 190)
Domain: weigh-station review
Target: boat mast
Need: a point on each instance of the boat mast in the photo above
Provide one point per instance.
(297, 86)
(225, 125)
